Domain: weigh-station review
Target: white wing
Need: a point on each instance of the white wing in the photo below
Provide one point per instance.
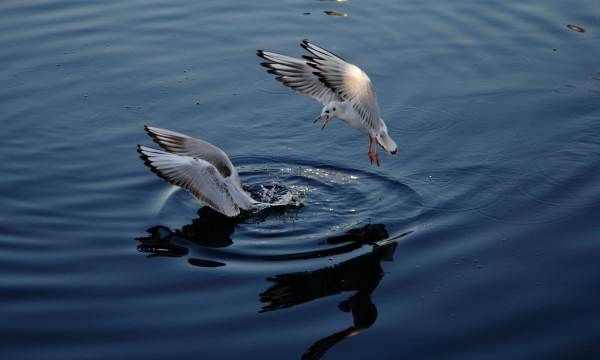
(181, 144)
(348, 81)
(197, 176)
(298, 75)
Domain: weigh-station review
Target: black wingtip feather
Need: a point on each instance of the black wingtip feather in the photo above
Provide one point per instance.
(314, 66)
(151, 166)
(268, 65)
(154, 137)
(305, 45)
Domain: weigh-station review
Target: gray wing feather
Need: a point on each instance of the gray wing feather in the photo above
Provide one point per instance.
(298, 75)
(348, 81)
(196, 175)
(181, 144)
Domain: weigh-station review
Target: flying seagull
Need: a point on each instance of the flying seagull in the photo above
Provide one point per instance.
(200, 168)
(343, 88)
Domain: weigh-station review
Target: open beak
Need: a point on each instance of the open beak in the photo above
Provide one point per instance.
(326, 119)
(317, 118)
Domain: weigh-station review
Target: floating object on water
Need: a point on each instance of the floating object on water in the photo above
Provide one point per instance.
(335, 13)
(576, 28)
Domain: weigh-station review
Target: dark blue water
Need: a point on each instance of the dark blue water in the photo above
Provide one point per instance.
(480, 240)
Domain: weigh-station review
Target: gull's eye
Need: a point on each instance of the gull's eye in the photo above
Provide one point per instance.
(326, 111)
(333, 109)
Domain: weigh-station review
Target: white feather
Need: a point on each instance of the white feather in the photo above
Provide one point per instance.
(328, 78)
(200, 168)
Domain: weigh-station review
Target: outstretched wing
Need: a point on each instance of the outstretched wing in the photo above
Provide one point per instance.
(196, 175)
(348, 82)
(181, 144)
(298, 75)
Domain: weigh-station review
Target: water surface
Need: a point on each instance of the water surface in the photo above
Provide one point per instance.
(478, 241)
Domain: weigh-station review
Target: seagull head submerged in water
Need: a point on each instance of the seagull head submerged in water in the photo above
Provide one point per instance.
(203, 169)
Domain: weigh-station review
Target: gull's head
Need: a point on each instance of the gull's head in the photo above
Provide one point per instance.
(331, 110)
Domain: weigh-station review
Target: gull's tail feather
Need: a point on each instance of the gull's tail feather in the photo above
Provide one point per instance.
(387, 143)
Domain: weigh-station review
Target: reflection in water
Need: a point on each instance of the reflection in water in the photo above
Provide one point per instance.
(209, 229)
(360, 275)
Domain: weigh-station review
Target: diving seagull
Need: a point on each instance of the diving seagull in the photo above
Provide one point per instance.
(200, 168)
(343, 88)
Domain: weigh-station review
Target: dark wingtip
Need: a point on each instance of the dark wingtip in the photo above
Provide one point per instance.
(151, 166)
(143, 156)
(154, 137)
(261, 54)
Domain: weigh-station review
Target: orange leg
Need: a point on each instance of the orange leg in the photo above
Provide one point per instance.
(376, 157)
(325, 121)
(370, 153)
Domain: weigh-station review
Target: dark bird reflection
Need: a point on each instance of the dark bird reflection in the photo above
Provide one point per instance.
(209, 229)
(360, 275)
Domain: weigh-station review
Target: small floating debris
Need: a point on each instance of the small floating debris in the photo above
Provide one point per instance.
(306, 13)
(205, 263)
(335, 13)
(576, 28)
